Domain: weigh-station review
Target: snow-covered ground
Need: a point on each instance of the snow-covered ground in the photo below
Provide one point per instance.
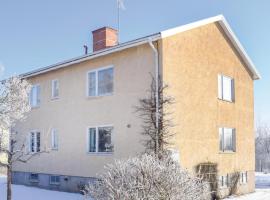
(26, 193)
(262, 189)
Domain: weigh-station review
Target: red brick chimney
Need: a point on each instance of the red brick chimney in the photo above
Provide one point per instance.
(104, 37)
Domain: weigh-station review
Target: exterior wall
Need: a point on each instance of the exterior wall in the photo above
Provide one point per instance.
(73, 113)
(191, 63)
(67, 183)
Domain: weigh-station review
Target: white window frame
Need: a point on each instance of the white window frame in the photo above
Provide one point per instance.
(243, 178)
(53, 96)
(96, 81)
(35, 141)
(224, 181)
(34, 180)
(55, 143)
(221, 88)
(38, 100)
(54, 182)
(97, 139)
(233, 140)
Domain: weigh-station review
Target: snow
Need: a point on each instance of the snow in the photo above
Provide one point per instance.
(25, 193)
(262, 189)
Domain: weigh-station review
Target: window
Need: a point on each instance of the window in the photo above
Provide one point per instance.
(225, 88)
(35, 96)
(34, 142)
(55, 89)
(243, 178)
(55, 180)
(100, 82)
(100, 139)
(54, 139)
(227, 140)
(224, 181)
(33, 177)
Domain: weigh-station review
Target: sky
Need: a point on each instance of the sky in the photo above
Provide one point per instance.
(36, 33)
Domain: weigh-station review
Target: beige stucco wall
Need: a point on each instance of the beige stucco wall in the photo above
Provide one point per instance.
(191, 63)
(73, 112)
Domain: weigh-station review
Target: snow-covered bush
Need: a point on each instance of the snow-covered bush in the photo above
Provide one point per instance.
(145, 177)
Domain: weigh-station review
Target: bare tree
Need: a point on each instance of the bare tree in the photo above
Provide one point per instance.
(158, 134)
(14, 104)
(262, 143)
(146, 177)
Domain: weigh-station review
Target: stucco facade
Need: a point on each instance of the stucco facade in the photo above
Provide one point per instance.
(189, 63)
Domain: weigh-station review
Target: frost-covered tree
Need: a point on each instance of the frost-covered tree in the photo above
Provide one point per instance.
(262, 143)
(157, 124)
(146, 177)
(14, 105)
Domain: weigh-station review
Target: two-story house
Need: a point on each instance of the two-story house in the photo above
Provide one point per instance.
(83, 108)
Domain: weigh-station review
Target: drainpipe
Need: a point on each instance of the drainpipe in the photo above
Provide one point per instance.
(157, 90)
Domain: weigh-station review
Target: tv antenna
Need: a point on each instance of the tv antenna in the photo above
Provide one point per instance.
(120, 6)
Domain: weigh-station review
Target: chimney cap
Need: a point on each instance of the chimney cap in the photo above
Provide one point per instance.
(104, 27)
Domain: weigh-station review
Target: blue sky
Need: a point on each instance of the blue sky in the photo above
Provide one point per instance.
(35, 33)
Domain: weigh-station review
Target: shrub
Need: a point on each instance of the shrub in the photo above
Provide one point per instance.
(145, 177)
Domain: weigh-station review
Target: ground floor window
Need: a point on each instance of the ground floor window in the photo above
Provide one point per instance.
(100, 139)
(243, 177)
(34, 177)
(54, 180)
(224, 181)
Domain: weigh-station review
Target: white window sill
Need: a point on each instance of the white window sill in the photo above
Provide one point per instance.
(100, 153)
(35, 107)
(225, 100)
(55, 98)
(55, 184)
(99, 96)
(227, 152)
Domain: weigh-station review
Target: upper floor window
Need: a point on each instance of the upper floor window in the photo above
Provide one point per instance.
(225, 88)
(100, 82)
(35, 96)
(100, 139)
(227, 140)
(55, 89)
(54, 139)
(34, 142)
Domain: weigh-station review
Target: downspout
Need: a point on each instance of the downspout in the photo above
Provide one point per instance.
(157, 90)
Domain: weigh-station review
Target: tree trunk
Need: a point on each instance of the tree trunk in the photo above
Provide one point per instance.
(8, 183)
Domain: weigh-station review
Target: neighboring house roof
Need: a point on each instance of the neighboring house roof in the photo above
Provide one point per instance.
(219, 19)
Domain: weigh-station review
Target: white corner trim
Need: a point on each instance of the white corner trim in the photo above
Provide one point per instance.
(229, 33)
(190, 26)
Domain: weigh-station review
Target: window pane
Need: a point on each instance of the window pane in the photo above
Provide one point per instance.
(92, 84)
(54, 139)
(32, 142)
(104, 139)
(92, 140)
(55, 88)
(38, 142)
(227, 88)
(228, 139)
(105, 81)
(221, 139)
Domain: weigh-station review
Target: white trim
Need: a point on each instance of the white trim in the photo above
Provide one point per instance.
(226, 151)
(96, 70)
(54, 183)
(30, 96)
(193, 25)
(54, 132)
(97, 135)
(35, 141)
(220, 19)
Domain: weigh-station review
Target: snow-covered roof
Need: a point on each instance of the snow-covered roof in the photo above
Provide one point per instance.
(163, 34)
